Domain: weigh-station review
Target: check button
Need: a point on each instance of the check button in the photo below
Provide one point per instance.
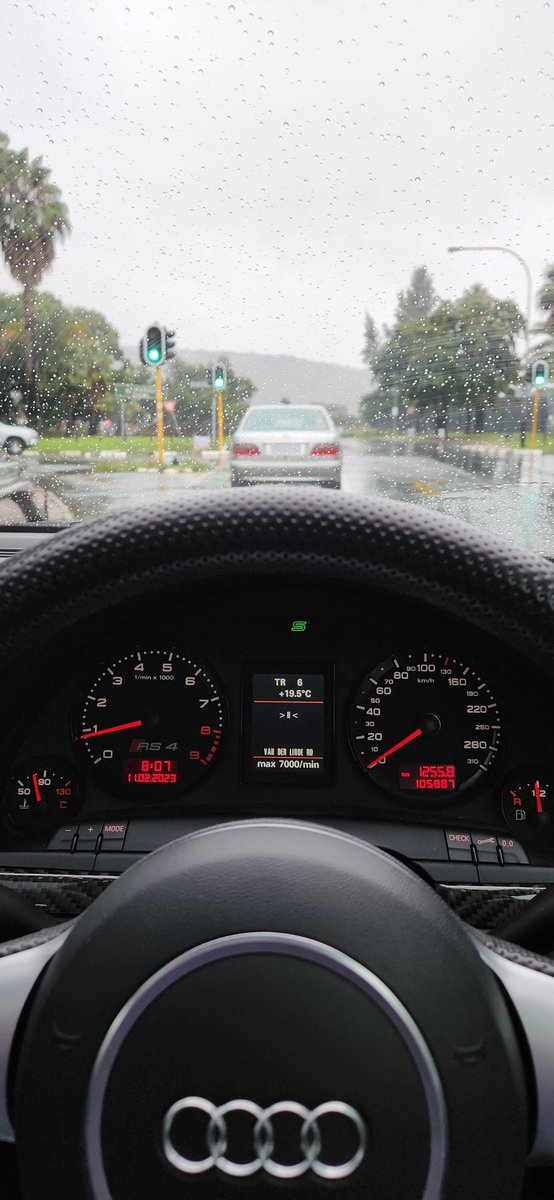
(458, 842)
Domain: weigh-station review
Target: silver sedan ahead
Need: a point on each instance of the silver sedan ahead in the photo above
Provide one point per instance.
(286, 443)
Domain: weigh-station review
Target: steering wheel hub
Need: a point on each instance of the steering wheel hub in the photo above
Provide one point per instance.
(251, 1028)
(269, 1003)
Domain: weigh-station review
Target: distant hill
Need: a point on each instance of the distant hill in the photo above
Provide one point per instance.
(278, 375)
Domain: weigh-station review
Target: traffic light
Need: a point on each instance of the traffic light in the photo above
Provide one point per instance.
(540, 374)
(169, 344)
(219, 377)
(152, 347)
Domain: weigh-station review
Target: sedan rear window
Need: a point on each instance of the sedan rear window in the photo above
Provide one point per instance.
(287, 420)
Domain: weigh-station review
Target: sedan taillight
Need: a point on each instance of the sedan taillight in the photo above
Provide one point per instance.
(329, 449)
(240, 449)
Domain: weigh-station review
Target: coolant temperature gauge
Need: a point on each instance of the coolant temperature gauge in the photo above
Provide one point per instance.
(41, 795)
(527, 804)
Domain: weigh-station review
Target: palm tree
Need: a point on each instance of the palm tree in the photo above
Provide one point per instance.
(32, 216)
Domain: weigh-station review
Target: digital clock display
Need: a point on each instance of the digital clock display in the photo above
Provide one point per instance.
(150, 770)
(427, 777)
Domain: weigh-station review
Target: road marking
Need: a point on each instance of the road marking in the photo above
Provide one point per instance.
(424, 487)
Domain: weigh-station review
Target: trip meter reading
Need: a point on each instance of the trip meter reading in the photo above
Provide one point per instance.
(288, 715)
(424, 725)
(152, 723)
(427, 777)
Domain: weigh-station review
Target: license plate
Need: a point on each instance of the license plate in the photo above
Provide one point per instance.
(286, 449)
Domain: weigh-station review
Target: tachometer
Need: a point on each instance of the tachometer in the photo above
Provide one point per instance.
(424, 726)
(152, 723)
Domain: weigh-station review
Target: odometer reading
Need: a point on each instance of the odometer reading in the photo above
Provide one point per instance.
(427, 777)
(424, 724)
(153, 721)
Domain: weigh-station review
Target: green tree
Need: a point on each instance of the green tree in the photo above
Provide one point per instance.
(341, 415)
(32, 217)
(76, 374)
(12, 352)
(419, 299)
(373, 406)
(546, 299)
(371, 340)
(88, 345)
(462, 354)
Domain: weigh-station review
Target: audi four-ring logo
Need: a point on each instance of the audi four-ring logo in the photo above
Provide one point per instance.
(311, 1156)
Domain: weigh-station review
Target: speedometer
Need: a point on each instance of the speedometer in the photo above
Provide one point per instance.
(151, 723)
(424, 726)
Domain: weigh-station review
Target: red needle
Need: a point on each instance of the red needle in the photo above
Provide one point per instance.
(112, 729)
(393, 749)
(37, 793)
(537, 795)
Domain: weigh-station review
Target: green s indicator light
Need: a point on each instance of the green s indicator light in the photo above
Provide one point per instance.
(299, 626)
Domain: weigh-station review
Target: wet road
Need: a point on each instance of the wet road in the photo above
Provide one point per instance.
(507, 493)
(511, 494)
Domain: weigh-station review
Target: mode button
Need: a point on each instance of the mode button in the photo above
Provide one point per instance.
(113, 835)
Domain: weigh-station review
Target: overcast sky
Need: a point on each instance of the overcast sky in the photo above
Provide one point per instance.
(259, 173)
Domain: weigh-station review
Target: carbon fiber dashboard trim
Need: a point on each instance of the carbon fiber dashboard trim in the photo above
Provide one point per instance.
(60, 895)
(486, 907)
(69, 895)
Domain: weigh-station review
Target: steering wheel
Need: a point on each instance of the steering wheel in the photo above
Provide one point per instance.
(270, 1007)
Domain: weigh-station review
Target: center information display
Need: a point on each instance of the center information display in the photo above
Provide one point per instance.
(288, 729)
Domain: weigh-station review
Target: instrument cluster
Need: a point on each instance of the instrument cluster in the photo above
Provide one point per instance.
(385, 713)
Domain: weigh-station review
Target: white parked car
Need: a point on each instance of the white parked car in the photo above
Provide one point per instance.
(286, 443)
(14, 439)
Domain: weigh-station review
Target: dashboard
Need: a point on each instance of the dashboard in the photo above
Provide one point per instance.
(316, 702)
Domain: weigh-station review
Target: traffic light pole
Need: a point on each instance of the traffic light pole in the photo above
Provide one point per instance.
(220, 421)
(535, 419)
(159, 417)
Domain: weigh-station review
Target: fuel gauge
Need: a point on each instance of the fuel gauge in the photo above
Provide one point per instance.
(528, 806)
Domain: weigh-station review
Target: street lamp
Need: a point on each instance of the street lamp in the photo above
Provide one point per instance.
(521, 261)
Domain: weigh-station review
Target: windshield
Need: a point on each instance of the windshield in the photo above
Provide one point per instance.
(286, 420)
(207, 209)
